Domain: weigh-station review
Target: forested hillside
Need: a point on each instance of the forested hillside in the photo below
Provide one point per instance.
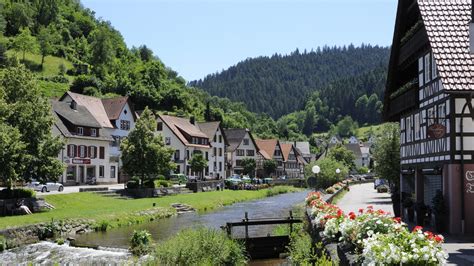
(279, 85)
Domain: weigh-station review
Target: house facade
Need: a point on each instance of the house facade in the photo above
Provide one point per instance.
(86, 146)
(215, 133)
(270, 149)
(353, 140)
(429, 90)
(185, 137)
(241, 145)
(292, 163)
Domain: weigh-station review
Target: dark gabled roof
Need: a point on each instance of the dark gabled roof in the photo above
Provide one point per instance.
(447, 26)
(59, 129)
(114, 106)
(235, 136)
(181, 126)
(79, 116)
(355, 148)
(303, 147)
(93, 104)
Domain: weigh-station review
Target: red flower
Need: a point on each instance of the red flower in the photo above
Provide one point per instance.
(352, 215)
(417, 228)
(397, 220)
(361, 210)
(438, 238)
(380, 212)
(370, 207)
(339, 213)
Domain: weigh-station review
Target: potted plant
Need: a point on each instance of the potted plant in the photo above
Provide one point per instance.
(440, 211)
(408, 204)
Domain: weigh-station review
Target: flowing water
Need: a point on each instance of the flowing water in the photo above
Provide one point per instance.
(113, 244)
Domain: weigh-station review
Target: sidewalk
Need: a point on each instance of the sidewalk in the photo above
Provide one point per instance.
(460, 250)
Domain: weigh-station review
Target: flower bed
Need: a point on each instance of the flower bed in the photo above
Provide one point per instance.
(376, 237)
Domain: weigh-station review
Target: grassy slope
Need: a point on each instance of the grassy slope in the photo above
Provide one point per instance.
(362, 131)
(96, 207)
(50, 69)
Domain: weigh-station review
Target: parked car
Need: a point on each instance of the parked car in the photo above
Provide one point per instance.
(379, 182)
(179, 178)
(47, 187)
(233, 181)
(267, 180)
(246, 179)
(283, 177)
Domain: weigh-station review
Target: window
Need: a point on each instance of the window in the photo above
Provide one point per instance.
(240, 152)
(220, 166)
(434, 69)
(220, 138)
(159, 126)
(220, 151)
(112, 172)
(101, 152)
(93, 132)
(441, 114)
(420, 71)
(238, 162)
(215, 138)
(427, 68)
(177, 155)
(215, 166)
(417, 126)
(116, 142)
(215, 152)
(71, 173)
(246, 141)
(277, 153)
(167, 141)
(250, 153)
(409, 128)
(101, 171)
(92, 152)
(71, 150)
(124, 125)
(187, 154)
(80, 131)
(207, 155)
(431, 116)
(82, 151)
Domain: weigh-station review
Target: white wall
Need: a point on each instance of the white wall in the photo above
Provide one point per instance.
(126, 114)
(215, 159)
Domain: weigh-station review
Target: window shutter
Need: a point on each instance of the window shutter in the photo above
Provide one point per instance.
(69, 150)
(76, 151)
(95, 152)
(102, 152)
(89, 152)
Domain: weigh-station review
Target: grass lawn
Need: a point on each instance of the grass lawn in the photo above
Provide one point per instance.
(51, 63)
(95, 207)
(362, 131)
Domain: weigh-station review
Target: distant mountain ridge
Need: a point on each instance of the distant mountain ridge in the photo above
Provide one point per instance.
(281, 84)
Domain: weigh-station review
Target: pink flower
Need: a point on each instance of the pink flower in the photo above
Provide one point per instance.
(417, 228)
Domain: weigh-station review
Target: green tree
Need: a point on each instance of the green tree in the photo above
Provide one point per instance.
(11, 155)
(102, 48)
(146, 54)
(23, 107)
(249, 165)
(328, 176)
(346, 127)
(47, 42)
(386, 153)
(198, 163)
(269, 166)
(24, 42)
(144, 154)
(46, 11)
(18, 15)
(341, 154)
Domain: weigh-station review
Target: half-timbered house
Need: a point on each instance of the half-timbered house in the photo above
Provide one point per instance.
(429, 91)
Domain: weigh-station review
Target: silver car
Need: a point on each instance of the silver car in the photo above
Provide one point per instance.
(47, 187)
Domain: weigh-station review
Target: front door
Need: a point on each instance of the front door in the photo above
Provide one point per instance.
(81, 174)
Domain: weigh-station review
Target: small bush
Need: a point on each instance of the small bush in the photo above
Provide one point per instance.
(330, 190)
(132, 184)
(3, 243)
(17, 193)
(140, 243)
(336, 187)
(149, 184)
(102, 226)
(162, 183)
(202, 246)
(49, 230)
(161, 177)
(59, 241)
(303, 252)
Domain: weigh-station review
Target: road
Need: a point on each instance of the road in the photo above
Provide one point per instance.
(360, 196)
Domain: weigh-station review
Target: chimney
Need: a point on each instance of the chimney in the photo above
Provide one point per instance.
(73, 105)
(471, 29)
(192, 120)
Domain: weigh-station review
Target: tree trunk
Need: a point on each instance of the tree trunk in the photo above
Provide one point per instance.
(42, 61)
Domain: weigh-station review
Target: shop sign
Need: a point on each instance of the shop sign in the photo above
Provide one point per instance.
(81, 161)
(436, 131)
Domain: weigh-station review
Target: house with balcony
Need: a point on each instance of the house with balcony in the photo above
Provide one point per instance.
(429, 92)
(216, 135)
(241, 145)
(186, 139)
(87, 144)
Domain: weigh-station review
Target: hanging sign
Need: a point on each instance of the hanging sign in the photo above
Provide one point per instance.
(81, 161)
(436, 131)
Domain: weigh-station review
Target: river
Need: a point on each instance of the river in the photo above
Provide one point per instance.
(113, 243)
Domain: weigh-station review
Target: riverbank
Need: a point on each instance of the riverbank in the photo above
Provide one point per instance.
(105, 213)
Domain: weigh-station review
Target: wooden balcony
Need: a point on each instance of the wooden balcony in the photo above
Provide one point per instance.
(413, 45)
(404, 102)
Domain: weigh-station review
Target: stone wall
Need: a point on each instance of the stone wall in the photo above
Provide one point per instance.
(202, 186)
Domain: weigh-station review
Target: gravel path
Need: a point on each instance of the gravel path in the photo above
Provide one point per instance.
(360, 196)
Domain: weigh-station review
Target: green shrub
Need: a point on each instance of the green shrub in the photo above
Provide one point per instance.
(363, 170)
(102, 226)
(303, 252)
(132, 184)
(277, 190)
(59, 241)
(202, 246)
(330, 190)
(149, 184)
(140, 243)
(161, 177)
(3, 243)
(17, 193)
(162, 183)
(49, 230)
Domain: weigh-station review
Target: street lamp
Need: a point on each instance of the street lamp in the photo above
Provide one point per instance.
(338, 171)
(316, 169)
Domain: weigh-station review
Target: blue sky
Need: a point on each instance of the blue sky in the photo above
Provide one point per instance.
(199, 37)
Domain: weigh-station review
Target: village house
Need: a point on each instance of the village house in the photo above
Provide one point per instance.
(293, 162)
(270, 149)
(87, 145)
(241, 145)
(429, 90)
(186, 139)
(115, 115)
(215, 133)
(304, 150)
(353, 140)
(335, 140)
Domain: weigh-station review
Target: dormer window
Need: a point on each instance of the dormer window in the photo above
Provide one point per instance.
(159, 126)
(93, 132)
(80, 131)
(124, 125)
(246, 141)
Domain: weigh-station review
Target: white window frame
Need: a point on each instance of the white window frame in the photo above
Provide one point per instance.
(434, 67)
(82, 151)
(417, 130)
(167, 140)
(421, 74)
(92, 155)
(101, 169)
(80, 131)
(246, 142)
(427, 68)
(72, 151)
(408, 129)
(93, 132)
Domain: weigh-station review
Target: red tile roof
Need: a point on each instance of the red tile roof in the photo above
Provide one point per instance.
(267, 147)
(114, 106)
(285, 150)
(447, 25)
